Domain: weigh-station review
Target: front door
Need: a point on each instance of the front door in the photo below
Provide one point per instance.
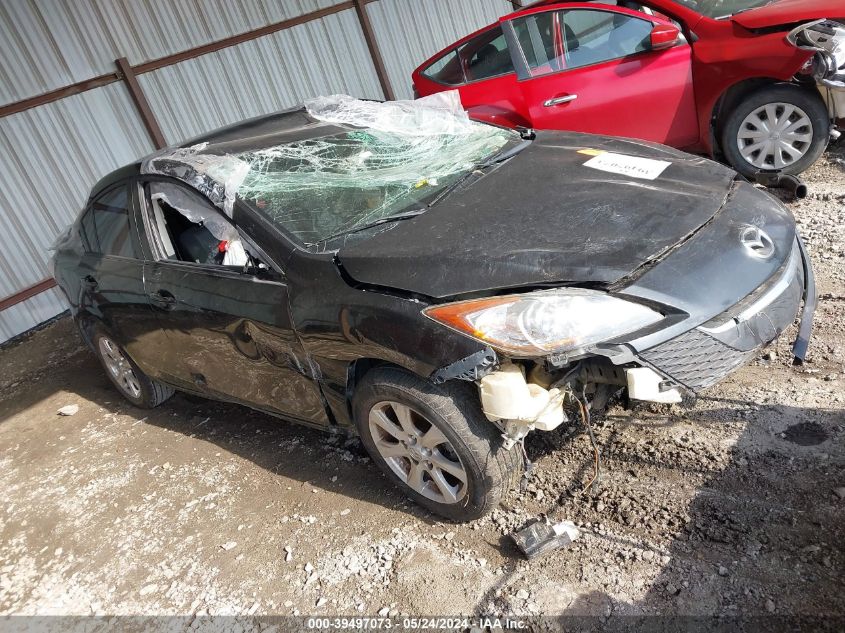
(592, 70)
(225, 328)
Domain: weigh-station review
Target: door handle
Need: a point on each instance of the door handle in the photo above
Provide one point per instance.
(163, 299)
(90, 282)
(558, 100)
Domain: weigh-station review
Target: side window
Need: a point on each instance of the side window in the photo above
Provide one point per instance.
(88, 232)
(536, 36)
(483, 57)
(185, 226)
(106, 224)
(486, 56)
(591, 37)
(562, 40)
(446, 70)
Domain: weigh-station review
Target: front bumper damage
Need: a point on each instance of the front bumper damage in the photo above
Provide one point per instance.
(694, 360)
(826, 39)
(701, 357)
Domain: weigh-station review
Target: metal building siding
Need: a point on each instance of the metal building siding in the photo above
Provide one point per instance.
(273, 72)
(50, 156)
(411, 31)
(48, 44)
(24, 316)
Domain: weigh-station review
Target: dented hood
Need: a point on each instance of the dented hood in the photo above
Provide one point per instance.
(789, 12)
(544, 217)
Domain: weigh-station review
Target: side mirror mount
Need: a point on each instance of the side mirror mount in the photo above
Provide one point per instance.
(663, 36)
(256, 268)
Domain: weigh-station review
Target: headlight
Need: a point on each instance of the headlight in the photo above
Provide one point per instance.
(544, 322)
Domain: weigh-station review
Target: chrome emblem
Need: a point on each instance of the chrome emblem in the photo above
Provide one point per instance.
(757, 242)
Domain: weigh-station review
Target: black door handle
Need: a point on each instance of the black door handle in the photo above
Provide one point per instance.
(90, 282)
(163, 299)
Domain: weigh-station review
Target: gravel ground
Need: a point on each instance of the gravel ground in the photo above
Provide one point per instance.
(732, 506)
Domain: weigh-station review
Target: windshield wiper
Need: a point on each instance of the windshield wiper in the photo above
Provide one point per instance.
(405, 215)
(504, 155)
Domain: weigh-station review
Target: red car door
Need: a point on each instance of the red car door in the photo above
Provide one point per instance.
(596, 70)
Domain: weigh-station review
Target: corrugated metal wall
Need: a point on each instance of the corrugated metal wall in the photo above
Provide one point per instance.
(273, 72)
(50, 155)
(47, 44)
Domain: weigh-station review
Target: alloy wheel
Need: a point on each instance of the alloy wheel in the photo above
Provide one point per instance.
(120, 368)
(417, 452)
(775, 135)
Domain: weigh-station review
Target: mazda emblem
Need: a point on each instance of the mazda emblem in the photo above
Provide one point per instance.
(757, 242)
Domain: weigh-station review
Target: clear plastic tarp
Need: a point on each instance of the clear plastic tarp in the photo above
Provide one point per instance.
(216, 176)
(375, 160)
(437, 114)
(193, 209)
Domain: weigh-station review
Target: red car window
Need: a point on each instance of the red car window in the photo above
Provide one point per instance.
(484, 56)
(588, 37)
(446, 69)
(536, 36)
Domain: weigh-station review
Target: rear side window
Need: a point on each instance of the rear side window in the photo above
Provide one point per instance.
(446, 70)
(106, 224)
(484, 56)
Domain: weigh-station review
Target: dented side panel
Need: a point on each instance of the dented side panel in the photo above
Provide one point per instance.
(339, 324)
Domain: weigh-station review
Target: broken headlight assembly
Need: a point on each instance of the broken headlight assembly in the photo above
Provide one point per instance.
(545, 322)
(827, 39)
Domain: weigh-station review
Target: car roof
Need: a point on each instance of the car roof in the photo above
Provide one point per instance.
(273, 123)
(116, 176)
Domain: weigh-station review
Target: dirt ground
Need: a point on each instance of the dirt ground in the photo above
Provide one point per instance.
(731, 507)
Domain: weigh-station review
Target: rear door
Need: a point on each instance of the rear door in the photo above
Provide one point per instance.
(590, 69)
(111, 273)
(225, 330)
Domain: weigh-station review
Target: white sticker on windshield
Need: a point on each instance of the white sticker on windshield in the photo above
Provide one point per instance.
(635, 166)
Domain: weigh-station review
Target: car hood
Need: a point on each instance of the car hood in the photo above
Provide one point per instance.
(785, 12)
(544, 217)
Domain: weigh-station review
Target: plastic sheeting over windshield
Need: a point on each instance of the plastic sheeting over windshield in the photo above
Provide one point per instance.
(440, 113)
(379, 159)
(217, 177)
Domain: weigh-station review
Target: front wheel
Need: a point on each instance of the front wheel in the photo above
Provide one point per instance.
(434, 443)
(778, 128)
(131, 382)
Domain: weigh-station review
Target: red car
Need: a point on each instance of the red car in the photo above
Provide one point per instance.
(761, 84)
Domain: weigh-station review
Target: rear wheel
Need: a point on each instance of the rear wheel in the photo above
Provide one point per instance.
(434, 443)
(124, 374)
(778, 128)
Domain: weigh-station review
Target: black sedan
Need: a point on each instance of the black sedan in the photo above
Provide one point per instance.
(438, 286)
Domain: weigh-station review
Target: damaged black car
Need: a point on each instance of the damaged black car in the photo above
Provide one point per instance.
(438, 286)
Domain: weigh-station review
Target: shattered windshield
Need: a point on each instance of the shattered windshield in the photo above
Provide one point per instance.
(722, 8)
(358, 164)
(323, 187)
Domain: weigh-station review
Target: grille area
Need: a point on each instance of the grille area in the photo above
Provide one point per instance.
(696, 360)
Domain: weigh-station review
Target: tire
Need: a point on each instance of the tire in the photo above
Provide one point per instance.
(806, 105)
(132, 383)
(450, 412)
